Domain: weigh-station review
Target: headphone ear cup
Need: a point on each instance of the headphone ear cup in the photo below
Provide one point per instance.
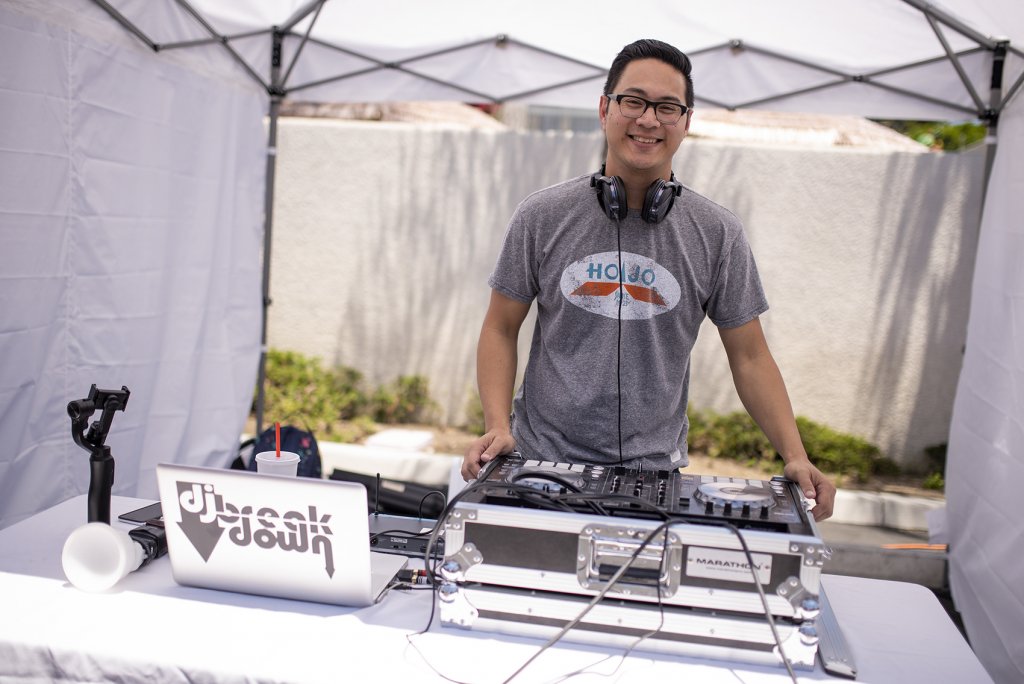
(659, 199)
(611, 195)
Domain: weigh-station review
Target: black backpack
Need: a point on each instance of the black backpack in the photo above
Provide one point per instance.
(302, 442)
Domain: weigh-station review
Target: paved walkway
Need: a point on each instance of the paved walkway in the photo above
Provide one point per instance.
(885, 536)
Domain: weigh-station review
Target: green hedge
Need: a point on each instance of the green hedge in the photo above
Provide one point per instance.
(737, 437)
(336, 403)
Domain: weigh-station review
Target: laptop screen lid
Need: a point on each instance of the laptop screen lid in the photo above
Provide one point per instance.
(298, 538)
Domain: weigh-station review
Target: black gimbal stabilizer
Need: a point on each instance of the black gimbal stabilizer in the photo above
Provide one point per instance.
(101, 463)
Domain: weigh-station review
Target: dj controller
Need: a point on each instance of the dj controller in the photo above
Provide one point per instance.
(748, 504)
(703, 558)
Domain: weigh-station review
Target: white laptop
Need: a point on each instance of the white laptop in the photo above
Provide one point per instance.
(292, 537)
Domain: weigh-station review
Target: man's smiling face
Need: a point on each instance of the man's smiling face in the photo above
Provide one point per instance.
(641, 149)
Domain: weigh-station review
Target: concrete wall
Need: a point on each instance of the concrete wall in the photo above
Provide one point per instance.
(867, 260)
(384, 235)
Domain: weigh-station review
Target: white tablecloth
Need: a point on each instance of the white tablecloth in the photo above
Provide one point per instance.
(150, 629)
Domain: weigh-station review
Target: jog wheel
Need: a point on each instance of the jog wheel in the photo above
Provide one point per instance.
(735, 493)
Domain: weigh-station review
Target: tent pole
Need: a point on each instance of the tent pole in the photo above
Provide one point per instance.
(995, 99)
(276, 95)
(268, 221)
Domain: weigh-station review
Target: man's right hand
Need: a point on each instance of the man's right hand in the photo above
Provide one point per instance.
(485, 449)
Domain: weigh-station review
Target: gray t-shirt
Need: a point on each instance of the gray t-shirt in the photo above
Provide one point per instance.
(562, 250)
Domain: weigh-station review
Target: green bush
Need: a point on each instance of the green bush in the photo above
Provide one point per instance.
(475, 415)
(301, 392)
(734, 436)
(936, 468)
(837, 452)
(737, 437)
(355, 430)
(406, 400)
(333, 402)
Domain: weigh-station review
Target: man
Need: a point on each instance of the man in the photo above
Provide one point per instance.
(624, 265)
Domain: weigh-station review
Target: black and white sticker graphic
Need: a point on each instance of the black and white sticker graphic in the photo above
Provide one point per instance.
(593, 284)
(206, 516)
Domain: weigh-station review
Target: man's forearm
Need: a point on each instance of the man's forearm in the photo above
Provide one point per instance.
(763, 392)
(496, 362)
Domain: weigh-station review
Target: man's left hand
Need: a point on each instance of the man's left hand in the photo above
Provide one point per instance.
(814, 485)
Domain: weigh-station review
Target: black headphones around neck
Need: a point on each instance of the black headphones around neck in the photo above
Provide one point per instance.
(611, 195)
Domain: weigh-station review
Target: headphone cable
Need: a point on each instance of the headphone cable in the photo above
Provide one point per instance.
(618, 343)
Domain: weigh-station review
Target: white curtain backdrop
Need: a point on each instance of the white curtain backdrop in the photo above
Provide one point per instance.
(986, 468)
(131, 230)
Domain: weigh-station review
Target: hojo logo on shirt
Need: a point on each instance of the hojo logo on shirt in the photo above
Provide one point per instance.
(593, 284)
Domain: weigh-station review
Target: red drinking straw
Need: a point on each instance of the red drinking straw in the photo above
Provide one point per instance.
(277, 437)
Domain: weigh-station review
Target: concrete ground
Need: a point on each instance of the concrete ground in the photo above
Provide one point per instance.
(884, 536)
(840, 533)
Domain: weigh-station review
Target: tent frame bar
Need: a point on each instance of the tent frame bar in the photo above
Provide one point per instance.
(201, 20)
(843, 78)
(933, 12)
(499, 40)
(955, 62)
(128, 25)
(298, 51)
(199, 42)
(300, 14)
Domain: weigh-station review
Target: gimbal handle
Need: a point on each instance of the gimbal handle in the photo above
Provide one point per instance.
(101, 463)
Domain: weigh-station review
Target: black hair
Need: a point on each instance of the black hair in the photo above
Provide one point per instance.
(648, 48)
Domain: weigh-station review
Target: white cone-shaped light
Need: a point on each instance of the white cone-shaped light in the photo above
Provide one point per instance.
(96, 556)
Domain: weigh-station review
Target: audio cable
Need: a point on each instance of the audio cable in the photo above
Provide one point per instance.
(618, 343)
(432, 578)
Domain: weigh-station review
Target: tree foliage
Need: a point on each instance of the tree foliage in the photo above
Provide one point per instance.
(941, 135)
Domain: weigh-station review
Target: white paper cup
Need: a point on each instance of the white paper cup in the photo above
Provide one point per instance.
(268, 463)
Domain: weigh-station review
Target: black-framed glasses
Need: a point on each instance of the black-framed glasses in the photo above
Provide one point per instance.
(633, 107)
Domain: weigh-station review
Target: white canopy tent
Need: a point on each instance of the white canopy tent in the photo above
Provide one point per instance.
(138, 124)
